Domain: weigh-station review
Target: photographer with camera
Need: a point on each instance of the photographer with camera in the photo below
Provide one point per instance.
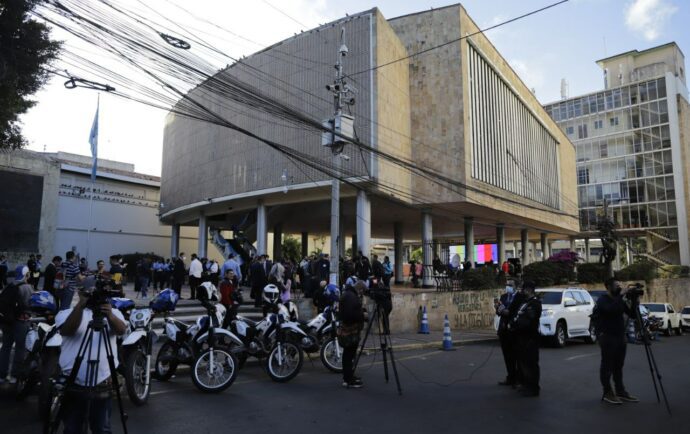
(608, 318)
(525, 325)
(351, 325)
(80, 401)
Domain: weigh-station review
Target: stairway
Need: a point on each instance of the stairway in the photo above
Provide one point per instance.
(188, 311)
(229, 247)
(654, 258)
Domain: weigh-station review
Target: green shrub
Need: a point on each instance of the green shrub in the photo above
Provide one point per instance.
(639, 271)
(673, 271)
(591, 273)
(546, 273)
(480, 278)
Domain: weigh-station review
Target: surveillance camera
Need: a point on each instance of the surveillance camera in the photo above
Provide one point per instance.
(329, 87)
(343, 50)
(344, 157)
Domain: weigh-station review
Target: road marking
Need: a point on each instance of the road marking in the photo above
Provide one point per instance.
(580, 356)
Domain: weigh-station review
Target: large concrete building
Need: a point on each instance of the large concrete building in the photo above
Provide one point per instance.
(632, 142)
(50, 206)
(497, 168)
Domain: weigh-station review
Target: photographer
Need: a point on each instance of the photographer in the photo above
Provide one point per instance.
(609, 321)
(525, 324)
(79, 403)
(351, 325)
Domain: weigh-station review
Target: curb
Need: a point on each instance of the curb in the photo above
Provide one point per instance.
(431, 345)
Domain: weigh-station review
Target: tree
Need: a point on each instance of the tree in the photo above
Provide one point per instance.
(292, 248)
(25, 51)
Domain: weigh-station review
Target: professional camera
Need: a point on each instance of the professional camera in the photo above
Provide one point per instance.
(635, 291)
(98, 290)
(380, 295)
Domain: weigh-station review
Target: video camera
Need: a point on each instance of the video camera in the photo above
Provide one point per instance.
(380, 295)
(101, 291)
(635, 291)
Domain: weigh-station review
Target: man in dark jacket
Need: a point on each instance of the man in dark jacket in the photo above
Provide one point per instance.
(50, 274)
(258, 278)
(503, 306)
(352, 322)
(525, 324)
(608, 316)
(363, 268)
(377, 268)
(178, 273)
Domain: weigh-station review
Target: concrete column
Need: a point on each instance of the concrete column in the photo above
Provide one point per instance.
(305, 244)
(398, 252)
(501, 243)
(628, 250)
(549, 248)
(469, 240)
(175, 241)
(354, 245)
(363, 223)
(427, 237)
(261, 229)
(203, 236)
(586, 249)
(341, 243)
(572, 244)
(515, 249)
(277, 242)
(524, 243)
(617, 261)
(544, 252)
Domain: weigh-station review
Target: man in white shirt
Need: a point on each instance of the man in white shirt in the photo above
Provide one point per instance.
(79, 404)
(195, 270)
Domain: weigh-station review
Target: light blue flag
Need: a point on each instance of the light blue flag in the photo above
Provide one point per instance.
(93, 140)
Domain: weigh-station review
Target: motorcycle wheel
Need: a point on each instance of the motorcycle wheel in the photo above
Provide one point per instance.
(332, 355)
(224, 366)
(49, 369)
(284, 362)
(136, 378)
(166, 369)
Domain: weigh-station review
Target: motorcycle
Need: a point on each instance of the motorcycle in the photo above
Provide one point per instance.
(275, 338)
(42, 345)
(321, 331)
(135, 349)
(205, 346)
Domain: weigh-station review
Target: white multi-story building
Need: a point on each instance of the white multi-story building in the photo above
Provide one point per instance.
(632, 144)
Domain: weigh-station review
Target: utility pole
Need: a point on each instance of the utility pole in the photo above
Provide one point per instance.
(339, 125)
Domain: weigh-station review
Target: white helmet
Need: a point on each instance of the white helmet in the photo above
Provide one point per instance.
(207, 292)
(271, 294)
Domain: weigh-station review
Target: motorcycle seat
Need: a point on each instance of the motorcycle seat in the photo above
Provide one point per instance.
(249, 322)
(182, 326)
(302, 322)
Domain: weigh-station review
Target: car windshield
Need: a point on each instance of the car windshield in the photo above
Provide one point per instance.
(686, 310)
(655, 307)
(551, 297)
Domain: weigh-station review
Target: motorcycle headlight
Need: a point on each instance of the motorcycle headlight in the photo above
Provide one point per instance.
(547, 313)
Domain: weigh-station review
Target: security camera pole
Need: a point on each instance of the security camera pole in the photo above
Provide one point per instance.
(342, 125)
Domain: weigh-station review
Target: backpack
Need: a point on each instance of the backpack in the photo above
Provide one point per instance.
(9, 304)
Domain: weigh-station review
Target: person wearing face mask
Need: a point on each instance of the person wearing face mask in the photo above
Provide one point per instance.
(178, 273)
(525, 324)
(608, 315)
(505, 336)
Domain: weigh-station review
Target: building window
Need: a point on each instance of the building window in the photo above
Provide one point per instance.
(569, 130)
(511, 148)
(599, 124)
(613, 121)
(582, 131)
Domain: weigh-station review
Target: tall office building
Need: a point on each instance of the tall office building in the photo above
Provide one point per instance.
(632, 145)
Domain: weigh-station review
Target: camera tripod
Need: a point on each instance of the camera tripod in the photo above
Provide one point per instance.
(96, 325)
(381, 318)
(653, 368)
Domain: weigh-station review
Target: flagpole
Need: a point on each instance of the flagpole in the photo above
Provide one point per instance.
(94, 146)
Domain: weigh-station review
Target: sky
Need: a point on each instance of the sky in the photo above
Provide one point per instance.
(562, 42)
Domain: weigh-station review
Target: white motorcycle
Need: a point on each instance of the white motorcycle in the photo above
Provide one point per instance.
(135, 349)
(323, 338)
(205, 346)
(275, 338)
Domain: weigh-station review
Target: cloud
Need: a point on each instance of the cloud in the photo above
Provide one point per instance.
(648, 17)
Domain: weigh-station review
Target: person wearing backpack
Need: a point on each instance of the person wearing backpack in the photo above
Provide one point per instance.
(14, 320)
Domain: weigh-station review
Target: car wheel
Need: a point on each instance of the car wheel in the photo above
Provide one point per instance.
(679, 330)
(668, 330)
(561, 334)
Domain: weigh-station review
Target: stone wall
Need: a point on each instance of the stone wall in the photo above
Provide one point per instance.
(674, 291)
(465, 310)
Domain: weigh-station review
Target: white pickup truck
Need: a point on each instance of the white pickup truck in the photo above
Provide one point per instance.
(670, 319)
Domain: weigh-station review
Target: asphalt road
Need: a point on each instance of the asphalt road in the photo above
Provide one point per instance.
(442, 391)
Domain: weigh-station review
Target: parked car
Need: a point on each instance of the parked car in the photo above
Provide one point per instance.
(685, 317)
(670, 319)
(566, 314)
